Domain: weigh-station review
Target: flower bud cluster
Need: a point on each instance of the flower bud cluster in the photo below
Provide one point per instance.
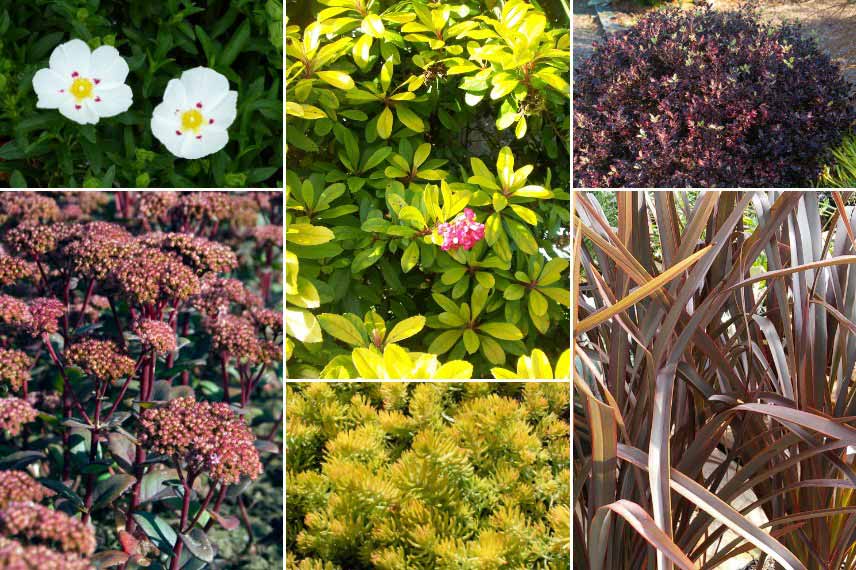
(270, 234)
(199, 253)
(36, 240)
(156, 205)
(100, 246)
(218, 293)
(45, 314)
(14, 368)
(151, 275)
(14, 413)
(207, 437)
(27, 207)
(14, 312)
(35, 523)
(198, 206)
(19, 486)
(156, 334)
(464, 231)
(16, 556)
(267, 320)
(13, 269)
(235, 336)
(100, 359)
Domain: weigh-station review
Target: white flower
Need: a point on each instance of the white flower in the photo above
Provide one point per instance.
(195, 113)
(84, 85)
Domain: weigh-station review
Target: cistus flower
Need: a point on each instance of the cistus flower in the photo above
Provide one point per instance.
(13, 269)
(84, 85)
(19, 486)
(462, 232)
(16, 556)
(14, 368)
(45, 315)
(29, 521)
(157, 335)
(14, 312)
(207, 437)
(14, 413)
(101, 359)
(235, 336)
(195, 113)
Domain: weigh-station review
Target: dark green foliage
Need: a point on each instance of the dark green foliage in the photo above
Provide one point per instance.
(418, 476)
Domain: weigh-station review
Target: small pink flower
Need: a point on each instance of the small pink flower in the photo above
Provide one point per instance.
(464, 231)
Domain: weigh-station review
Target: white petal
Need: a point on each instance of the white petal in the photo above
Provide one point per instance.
(70, 57)
(203, 144)
(78, 112)
(204, 85)
(47, 85)
(164, 128)
(108, 66)
(175, 95)
(223, 113)
(113, 100)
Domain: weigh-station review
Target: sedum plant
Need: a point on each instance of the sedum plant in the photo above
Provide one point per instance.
(395, 109)
(713, 384)
(398, 475)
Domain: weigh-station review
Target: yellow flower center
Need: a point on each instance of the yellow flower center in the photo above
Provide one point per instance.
(191, 120)
(81, 88)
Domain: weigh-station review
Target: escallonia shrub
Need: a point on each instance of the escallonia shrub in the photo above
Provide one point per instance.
(395, 475)
(140, 367)
(427, 211)
(706, 98)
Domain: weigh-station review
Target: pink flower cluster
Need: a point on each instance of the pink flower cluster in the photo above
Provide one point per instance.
(236, 336)
(464, 231)
(14, 413)
(100, 359)
(45, 314)
(27, 206)
(36, 523)
(207, 437)
(13, 269)
(14, 312)
(14, 368)
(156, 334)
(16, 556)
(218, 293)
(19, 486)
(199, 253)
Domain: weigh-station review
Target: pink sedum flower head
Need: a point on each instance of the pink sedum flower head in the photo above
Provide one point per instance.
(195, 113)
(462, 232)
(84, 85)
(19, 486)
(14, 413)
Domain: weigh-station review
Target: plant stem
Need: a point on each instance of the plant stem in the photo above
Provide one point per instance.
(187, 484)
(225, 376)
(93, 454)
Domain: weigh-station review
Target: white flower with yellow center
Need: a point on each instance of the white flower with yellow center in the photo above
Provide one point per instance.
(195, 113)
(84, 85)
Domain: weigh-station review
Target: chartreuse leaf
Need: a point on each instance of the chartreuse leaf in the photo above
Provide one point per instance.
(513, 292)
(341, 328)
(471, 341)
(409, 119)
(396, 362)
(503, 331)
(307, 234)
(406, 329)
(492, 350)
(410, 257)
(444, 342)
(552, 271)
(521, 236)
(454, 370)
(338, 79)
(373, 26)
(368, 363)
(362, 51)
(537, 303)
(302, 325)
(384, 123)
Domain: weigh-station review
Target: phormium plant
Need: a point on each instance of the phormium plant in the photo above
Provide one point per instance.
(140, 112)
(422, 476)
(140, 358)
(704, 98)
(714, 395)
(411, 201)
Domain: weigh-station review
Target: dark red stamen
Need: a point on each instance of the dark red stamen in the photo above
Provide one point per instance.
(210, 121)
(178, 133)
(98, 99)
(199, 137)
(62, 90)
(198, 105)
(74, 74)
(97, 81)
(77, 107)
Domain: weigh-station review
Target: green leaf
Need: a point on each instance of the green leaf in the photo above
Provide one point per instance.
(443, 343)
(373, 25)
(421, 154)
(302, 325)
(503, 331)
(369, 364)
(521, 236)
(377, 157)
(384, 123)
(492, 228)
(361, 51)
(108, 490)
(158, 530)
(479, 298)
(513, 292)
(341, 328)
(410, 257)
(236, 45)
(532, 191)
(492, 350)
(406, 329)
(552, 271)
(471, 341)
(455, 370)
(199, 545)
(537, 303)
(447, 304)
(17, 180)
(525, 214)
(410, 119)
(520, 129)
(368, 257)
(307, 234)
(412, 216)
(338, 79)
(503, 88)
(558, 294)
(451, 276)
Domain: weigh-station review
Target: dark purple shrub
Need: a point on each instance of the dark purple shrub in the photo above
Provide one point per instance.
(706, 98)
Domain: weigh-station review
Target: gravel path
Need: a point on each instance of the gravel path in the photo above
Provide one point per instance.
(586, 31)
